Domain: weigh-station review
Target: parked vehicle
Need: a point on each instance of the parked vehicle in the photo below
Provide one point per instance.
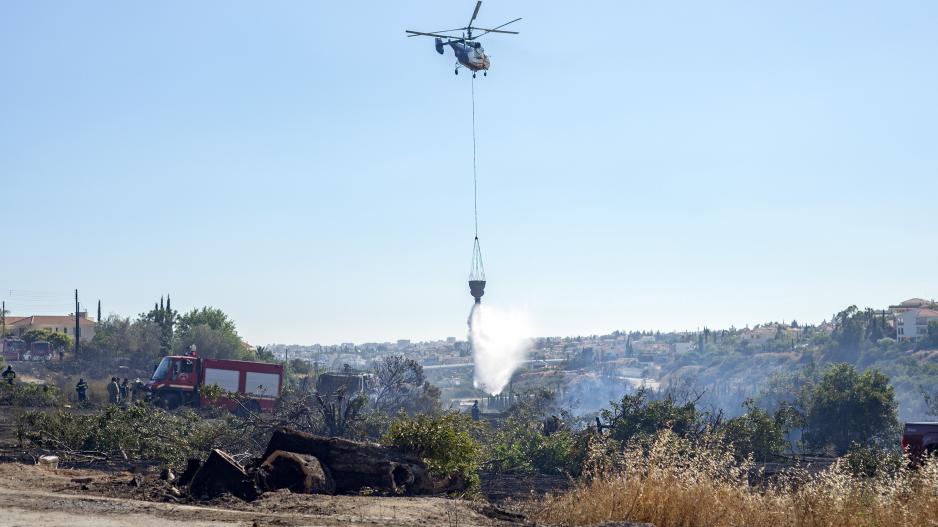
(39, 350)
(920, 439)
(12, 348)
(179, 379)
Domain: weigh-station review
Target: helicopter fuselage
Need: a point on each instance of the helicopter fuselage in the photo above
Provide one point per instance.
(470, 54)
(465, 43)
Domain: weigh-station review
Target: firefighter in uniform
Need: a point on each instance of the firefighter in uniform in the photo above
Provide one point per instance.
(9, 374)
(82, 389)
(113, 392)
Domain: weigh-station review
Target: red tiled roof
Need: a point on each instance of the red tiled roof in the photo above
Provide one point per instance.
(49, 320)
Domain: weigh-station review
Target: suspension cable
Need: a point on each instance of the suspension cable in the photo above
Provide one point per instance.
(475, 180)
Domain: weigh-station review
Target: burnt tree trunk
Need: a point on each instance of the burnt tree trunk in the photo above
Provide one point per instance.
(219, 474)
(355, 465)
(300, 473)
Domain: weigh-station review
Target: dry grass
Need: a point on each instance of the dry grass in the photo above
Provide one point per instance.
(674, 483)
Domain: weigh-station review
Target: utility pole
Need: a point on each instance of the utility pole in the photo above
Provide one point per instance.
(77, 326)
(3, 320)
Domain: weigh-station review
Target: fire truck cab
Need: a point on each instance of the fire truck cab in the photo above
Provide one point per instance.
(12, 348)
(920, 440)
(178, 380)
(39, 350)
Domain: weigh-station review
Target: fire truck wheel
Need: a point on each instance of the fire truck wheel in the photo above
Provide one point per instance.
(169, 401)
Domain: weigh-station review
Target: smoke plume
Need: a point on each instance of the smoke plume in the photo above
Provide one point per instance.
(500, 340)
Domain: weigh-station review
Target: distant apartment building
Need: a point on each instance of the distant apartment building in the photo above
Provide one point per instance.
(18, 326)
(644, 343)
(683, 347)
(912, 318)
(759, 335)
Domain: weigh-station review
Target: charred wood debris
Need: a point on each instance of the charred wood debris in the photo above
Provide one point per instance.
(309, 464)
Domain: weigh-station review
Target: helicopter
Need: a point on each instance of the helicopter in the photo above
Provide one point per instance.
(469, 52)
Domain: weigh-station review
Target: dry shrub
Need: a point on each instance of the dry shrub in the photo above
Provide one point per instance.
(672, 482)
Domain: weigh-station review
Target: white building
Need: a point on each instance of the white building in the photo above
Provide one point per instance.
(912, 317)
(57, 324)
(912, 323)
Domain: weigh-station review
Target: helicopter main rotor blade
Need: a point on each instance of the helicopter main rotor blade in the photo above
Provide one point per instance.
(437, 35)
(475, 13)
(450, 30)
(497, 29)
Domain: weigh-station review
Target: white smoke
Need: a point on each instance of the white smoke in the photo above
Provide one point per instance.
(500, 340)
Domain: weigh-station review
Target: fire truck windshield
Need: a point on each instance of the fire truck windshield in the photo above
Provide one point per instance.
(161, 370)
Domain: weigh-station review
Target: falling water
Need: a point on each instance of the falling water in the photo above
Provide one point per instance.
(500, 340)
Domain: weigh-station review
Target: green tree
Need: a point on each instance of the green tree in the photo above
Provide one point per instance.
(165, 318)
(139, 341)
(213, 333)
(264, 354)
(637, 415)
(401, 385)
(61, 341)
(57, 340)
(756, 432)
(36, 335)
(531, 439)
(851, 329)
(213, 343)
(299, 366)
(447, 443)
(209, 316)
(847, 407)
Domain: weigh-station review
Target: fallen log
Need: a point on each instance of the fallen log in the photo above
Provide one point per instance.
(301, 473)
(219, 474)
(356, 465)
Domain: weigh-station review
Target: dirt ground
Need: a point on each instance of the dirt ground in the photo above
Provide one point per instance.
(77, 497)
(37, 497)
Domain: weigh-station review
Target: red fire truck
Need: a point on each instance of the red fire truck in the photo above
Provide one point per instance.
(39, 350)
(920, 439)
(12, 348)
(178, 380)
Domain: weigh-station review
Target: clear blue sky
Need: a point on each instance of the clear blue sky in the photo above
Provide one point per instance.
(302, 165)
